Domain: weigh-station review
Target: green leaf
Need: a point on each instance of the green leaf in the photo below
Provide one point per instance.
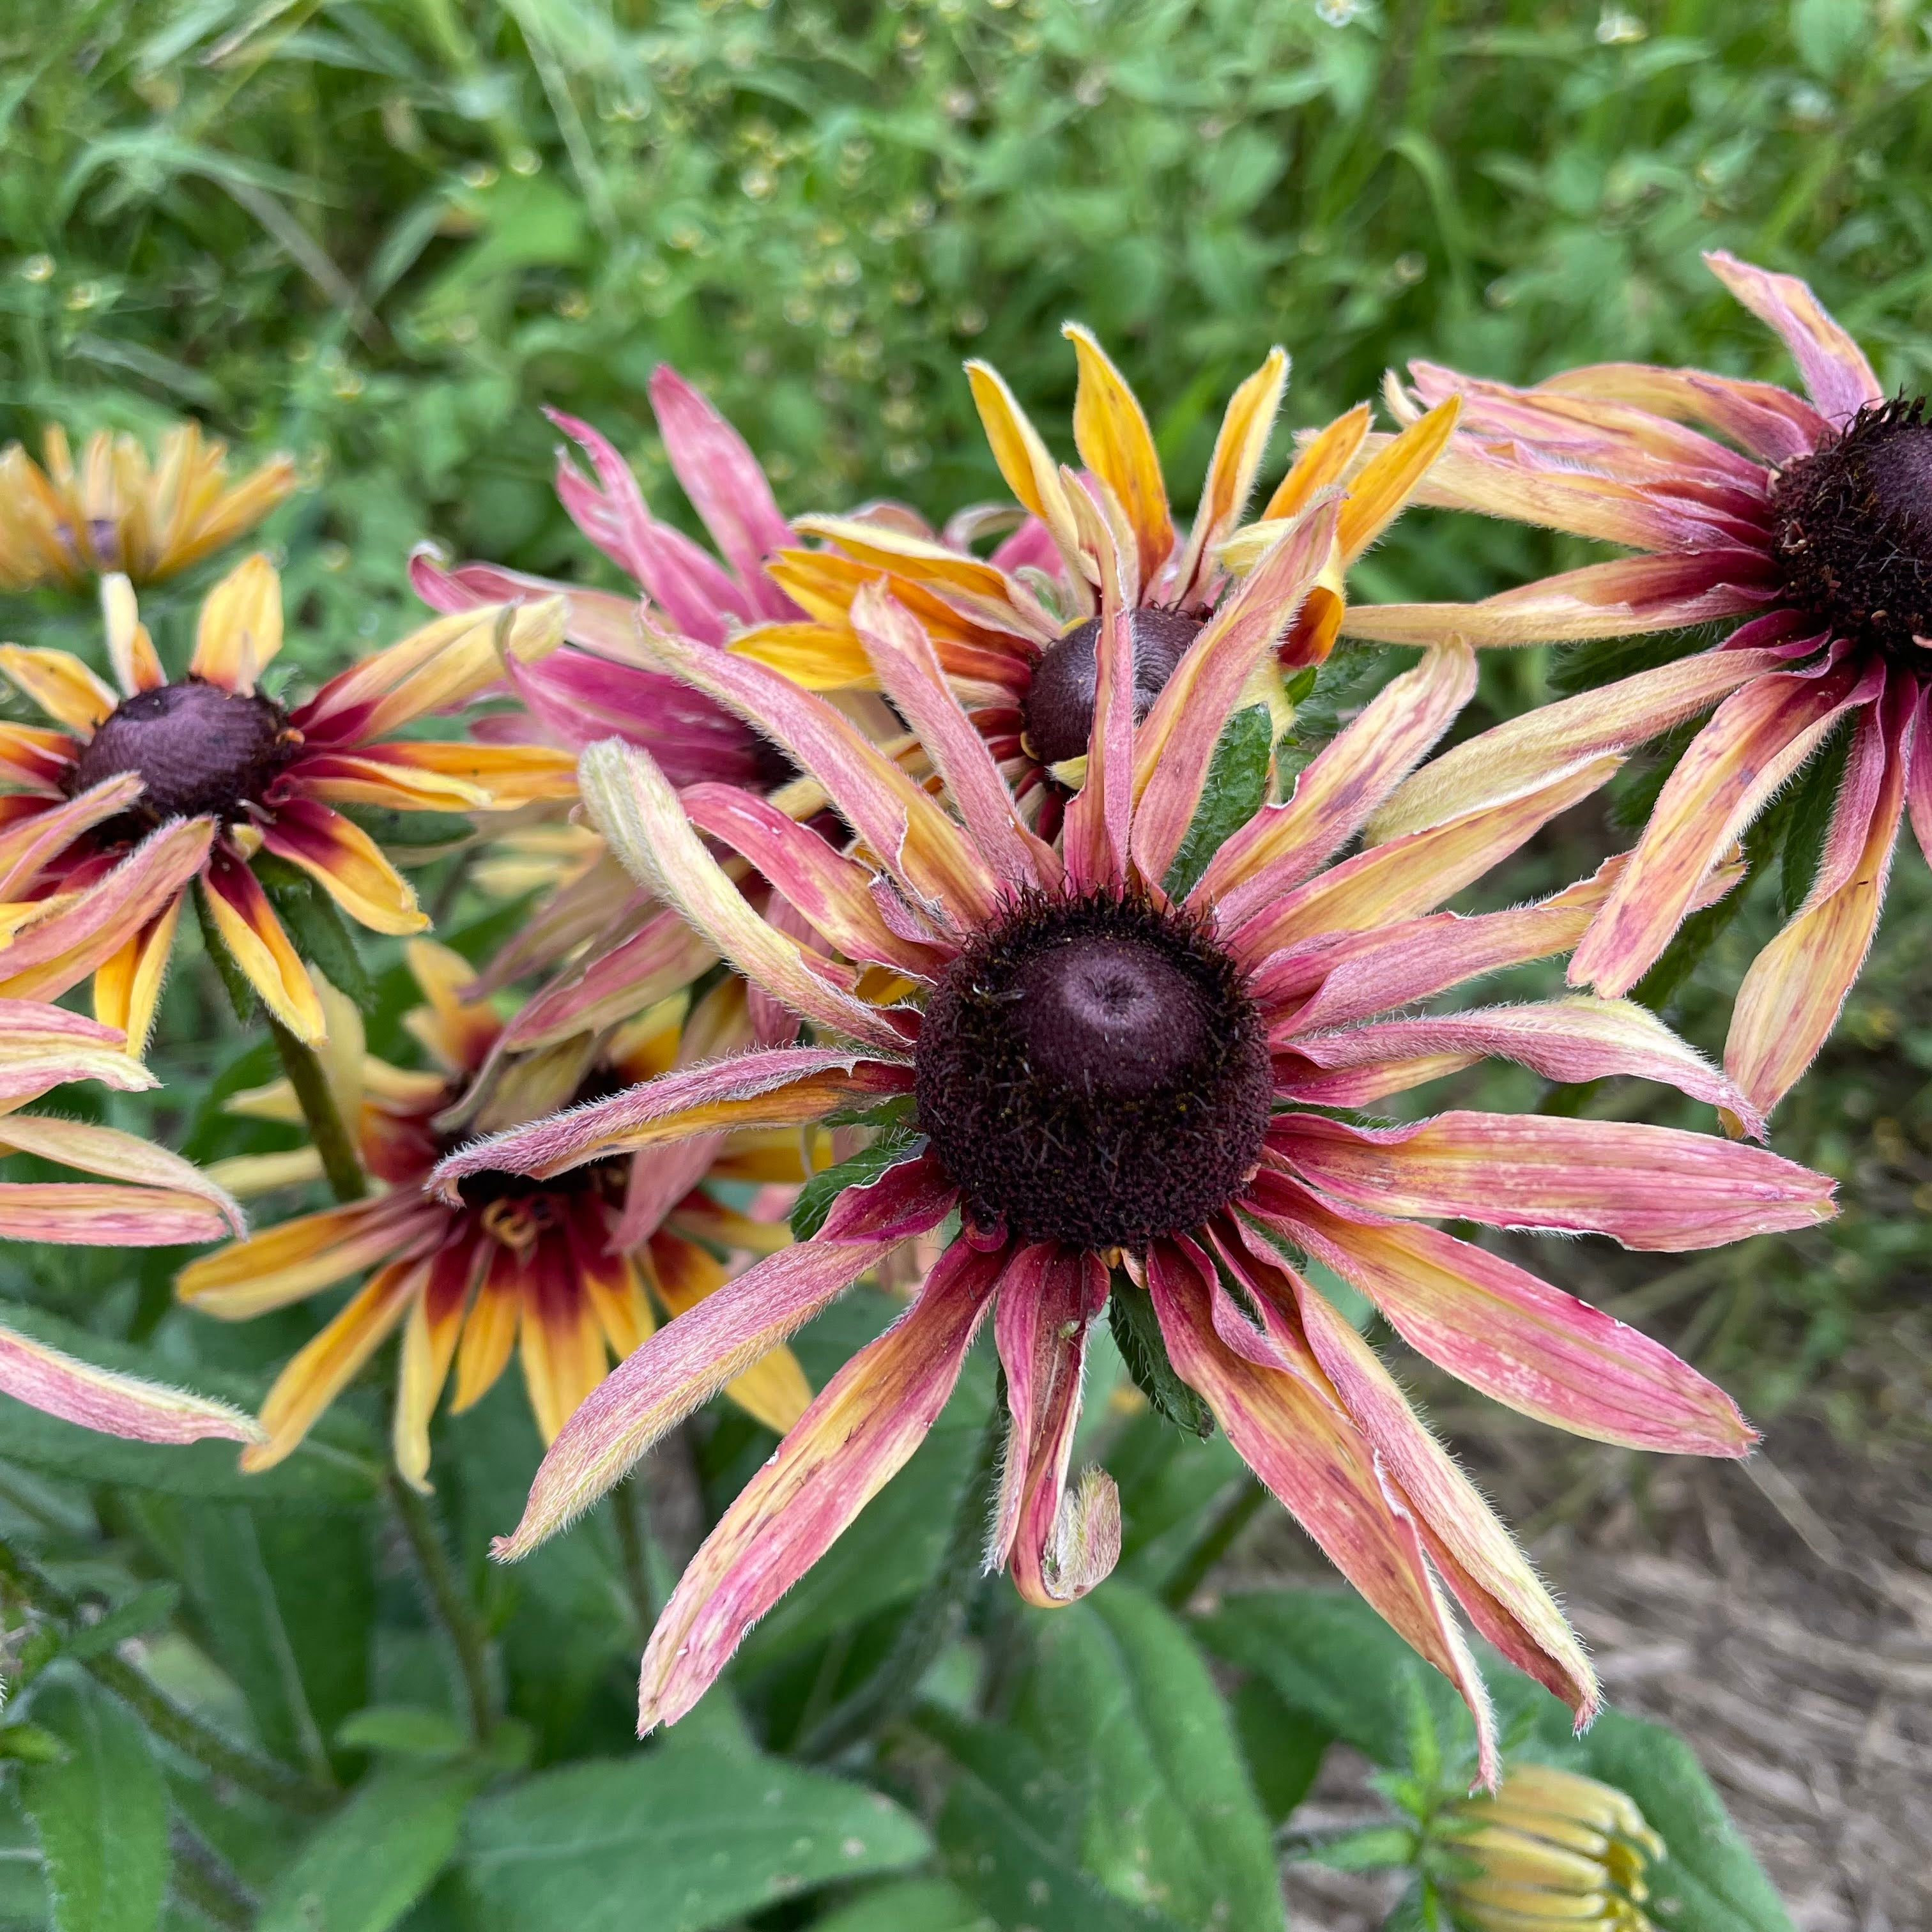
(680, 1838)
(813, 1204)
(1826, 33)
(403, 1730)
(1808, 807)
(1236, 785)
(145, 1610)
(909, 1905)
(1284, 1747)
(1717, 1885)
(1136, 1330)
(325, 1471)
(101, 1814)
(1325, 1654)
(1009, 1835)
(1122, 1705)
(363, 1868)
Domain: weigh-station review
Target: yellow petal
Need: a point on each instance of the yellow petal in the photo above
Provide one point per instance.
(241, 626)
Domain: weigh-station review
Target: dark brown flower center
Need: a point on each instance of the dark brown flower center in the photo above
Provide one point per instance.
(1058, 710)
(1092, 1071)
(198, 748)
(1852, 527)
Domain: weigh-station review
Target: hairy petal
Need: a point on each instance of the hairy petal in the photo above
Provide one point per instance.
(113, 1405)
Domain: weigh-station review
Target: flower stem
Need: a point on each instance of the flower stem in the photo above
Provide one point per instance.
(205, 1880)
(627, 1511)
(161, 1714)
(449, 1603)
(1213, 1543)
(317, 1098)
(933, 1620)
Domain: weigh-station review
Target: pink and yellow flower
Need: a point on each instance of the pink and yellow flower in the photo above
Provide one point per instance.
(1015, 633)
(1808, 520)
(152, 1198)
(564, 1273)
(117, 511)
(1122, 1090)
(133, 794)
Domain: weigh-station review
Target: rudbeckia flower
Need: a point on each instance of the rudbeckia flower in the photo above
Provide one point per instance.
(119, 512)
(1016, 633)
(619, 952)
(153, 1199)
(108, 816)
(1811, 520)
(1113, 1074)
(566, 1272)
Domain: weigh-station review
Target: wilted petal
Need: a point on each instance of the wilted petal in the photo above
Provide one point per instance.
(1283, 1420)
(1645, 1186)
(125, 1157)
(114, 1405)
(1048, 1297)
(689, 1359)
(1833, 365)
(1503, 1330)
(1791, 996)
(634, 806)
(1771, 423)
(662, 956)
(853, 1438)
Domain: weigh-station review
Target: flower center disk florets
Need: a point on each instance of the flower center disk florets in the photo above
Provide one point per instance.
(1059, 706)
(1852, 525)
(197, 748)
(1092, 1071)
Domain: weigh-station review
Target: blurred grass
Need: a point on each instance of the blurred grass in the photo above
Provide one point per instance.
(383, 234)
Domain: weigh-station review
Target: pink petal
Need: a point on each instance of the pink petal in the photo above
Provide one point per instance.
(1282, 844)
(831, 891)
(910, 674)
(1060, 1547)
(27, 849)
(1414, 874)
(113, 1405)
(1099, 818)
(691, 1357)
(1175, 744)
(664, 955)
(1771, 423)
(857, 1434)
(1616, 718)
(1504, 1331)
(1833, 365)
(781, 1087)
(1623, 599)
(1490, 1575)
(1792, 996)
(124, 1157)
(1759, 736)
(1645, 1186)
(1918, 775)
(630, 801)
(1280, 1415)
(726, 487)
(1573, 1040)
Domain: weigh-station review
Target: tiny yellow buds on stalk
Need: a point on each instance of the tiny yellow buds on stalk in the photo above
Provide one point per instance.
(1552, 1851)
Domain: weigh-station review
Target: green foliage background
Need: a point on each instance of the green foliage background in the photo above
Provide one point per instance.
(382, 234)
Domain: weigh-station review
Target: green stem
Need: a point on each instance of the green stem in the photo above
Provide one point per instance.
(160, 1712)
(933, 1622)
(627, 1510)
(450, 1603)
(204, 1878)
(317, 1098)
(1213, 1543)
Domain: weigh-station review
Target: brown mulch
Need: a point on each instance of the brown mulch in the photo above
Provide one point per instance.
(1778, 1612)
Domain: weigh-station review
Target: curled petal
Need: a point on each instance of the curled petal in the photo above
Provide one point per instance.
(1645, 1186)
(113, 1405)
(633, 805)
(1111, 432)
(1282, 1417)
(1503, 1330)
(857, 1434)
(1239, 447)
(1833, 365)
(690, 1358)
(125, 1157)
(773, 1087)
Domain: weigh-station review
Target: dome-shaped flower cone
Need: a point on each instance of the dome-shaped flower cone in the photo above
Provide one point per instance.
(1808, 521)
(1103, 1071)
